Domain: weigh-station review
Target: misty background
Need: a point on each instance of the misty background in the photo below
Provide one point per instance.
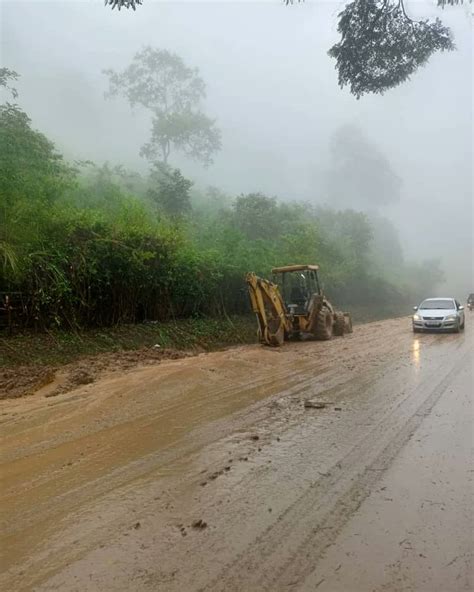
(273, 90)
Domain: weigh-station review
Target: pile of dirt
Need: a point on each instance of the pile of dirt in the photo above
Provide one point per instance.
(27, 380)
(24, 380)
(123, 360)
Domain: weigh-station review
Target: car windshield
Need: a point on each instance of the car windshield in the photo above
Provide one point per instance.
(437, 304)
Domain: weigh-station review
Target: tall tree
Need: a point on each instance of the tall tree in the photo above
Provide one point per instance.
(159, 81)
(386, 247)
(360, 176)
(30, 167)
(256, 216)
(381, 46)
(170, 190)
(32, 176)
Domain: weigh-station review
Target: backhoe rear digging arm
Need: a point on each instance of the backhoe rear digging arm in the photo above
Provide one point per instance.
(269, 308)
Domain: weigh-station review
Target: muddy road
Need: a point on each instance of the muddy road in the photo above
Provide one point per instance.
(209, 473)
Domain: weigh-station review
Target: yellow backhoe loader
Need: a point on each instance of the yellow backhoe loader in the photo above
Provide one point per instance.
(293, 304)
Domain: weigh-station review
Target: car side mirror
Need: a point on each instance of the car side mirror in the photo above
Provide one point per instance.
(461, 307)
(415, 308)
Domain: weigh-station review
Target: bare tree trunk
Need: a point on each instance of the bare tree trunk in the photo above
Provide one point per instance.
(165, 149)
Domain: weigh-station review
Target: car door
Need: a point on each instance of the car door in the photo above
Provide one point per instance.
(460, 313)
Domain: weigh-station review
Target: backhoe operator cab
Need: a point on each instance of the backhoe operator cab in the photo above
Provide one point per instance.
(292, 304)
(297, 284)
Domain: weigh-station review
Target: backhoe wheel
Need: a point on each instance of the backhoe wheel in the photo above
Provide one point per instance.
(324, 324)
(347, 323)
(339, 323)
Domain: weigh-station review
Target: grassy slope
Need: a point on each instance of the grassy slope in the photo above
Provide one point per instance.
(60, 347)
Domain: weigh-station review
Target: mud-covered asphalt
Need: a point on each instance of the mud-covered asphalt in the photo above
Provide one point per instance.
(209, 473)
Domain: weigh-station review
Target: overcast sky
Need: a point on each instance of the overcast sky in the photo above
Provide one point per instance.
(272, 89)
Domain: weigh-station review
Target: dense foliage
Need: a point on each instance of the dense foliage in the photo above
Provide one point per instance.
(381, 46)
(96, 246)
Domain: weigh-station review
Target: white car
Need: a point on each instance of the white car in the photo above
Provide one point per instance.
(438, 314)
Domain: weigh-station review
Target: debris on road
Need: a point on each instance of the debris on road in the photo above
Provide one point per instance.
(311, 404)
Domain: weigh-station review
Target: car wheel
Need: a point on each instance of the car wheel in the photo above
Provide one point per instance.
(416, 330)
(457, 328)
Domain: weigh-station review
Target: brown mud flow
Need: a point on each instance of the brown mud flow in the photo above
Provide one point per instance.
(20, 380)
(101, 486)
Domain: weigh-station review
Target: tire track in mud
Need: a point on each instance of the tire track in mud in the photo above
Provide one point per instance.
(286, 552)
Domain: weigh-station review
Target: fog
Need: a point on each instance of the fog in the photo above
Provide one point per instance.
(273, 91)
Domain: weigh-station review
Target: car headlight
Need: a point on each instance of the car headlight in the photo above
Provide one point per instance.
(416, 317)
(452, 317)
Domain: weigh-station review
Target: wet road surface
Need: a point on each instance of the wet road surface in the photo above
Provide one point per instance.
(209, 473)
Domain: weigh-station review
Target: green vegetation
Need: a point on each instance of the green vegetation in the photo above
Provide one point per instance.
(381, 46)
(58, 347)
(97, 246)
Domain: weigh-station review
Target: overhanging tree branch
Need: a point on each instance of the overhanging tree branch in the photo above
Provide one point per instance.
(123, 3)
(381, 46)
(7, 75)
(134, 3)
